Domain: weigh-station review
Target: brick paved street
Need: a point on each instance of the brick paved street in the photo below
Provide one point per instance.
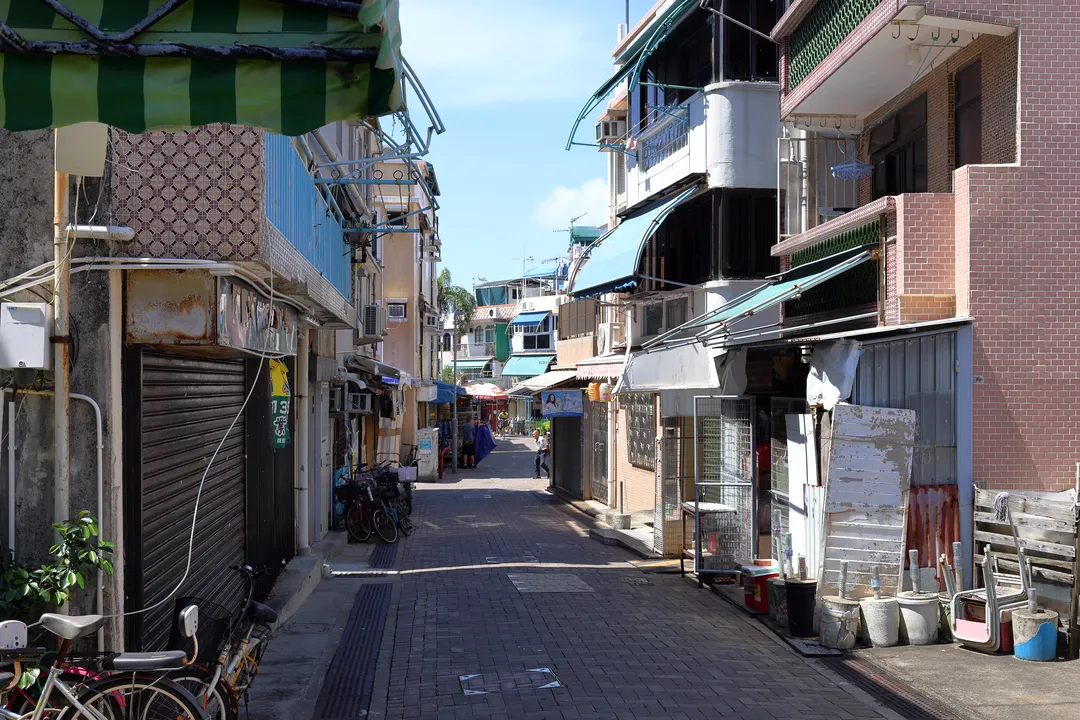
(636, 646)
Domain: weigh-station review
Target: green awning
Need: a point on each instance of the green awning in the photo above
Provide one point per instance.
(140, 65)
(471, 364)
(527, 365)
(613, 259)
(631, 60)
(718, 324)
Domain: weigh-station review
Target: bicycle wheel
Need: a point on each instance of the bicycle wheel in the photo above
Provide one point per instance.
(357, 522)
(384, 526)
(145, 696)
(408, 498)
(220, 704)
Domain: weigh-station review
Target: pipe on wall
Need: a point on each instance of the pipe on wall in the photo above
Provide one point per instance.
(303, 416)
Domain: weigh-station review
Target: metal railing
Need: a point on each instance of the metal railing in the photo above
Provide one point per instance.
(808, 193)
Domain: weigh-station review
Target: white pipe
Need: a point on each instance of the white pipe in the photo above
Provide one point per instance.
(11, 473)
(100, 483)
(332, 156)
(303, 413)
(61, 348)
(100, 232)
(115, 409)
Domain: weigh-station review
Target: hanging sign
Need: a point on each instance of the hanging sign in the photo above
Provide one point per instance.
(280, 400)
(561, 403)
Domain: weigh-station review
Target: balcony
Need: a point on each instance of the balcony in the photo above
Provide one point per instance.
(844, 59)
(477, 350)
(718, 134)
(918, 281)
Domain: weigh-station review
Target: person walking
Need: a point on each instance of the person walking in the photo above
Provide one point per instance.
(468, 444)
(504, 423)
(541, 453)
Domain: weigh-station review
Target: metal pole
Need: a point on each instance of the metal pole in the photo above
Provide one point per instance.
(303, 419)
(61, 347)
(454, 442)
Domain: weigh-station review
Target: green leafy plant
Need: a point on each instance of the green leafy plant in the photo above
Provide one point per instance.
(26, 592)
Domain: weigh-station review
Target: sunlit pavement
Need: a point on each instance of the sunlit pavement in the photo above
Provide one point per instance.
(504, 608)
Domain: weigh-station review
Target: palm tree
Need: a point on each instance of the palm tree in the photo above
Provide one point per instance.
(455, 301)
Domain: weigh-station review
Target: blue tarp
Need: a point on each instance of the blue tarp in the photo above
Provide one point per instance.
(491, 296)
(445, 392)
(484, 443)
(530, 318)
(614, 258)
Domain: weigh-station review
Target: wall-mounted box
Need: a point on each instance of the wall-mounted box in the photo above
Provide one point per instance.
(25, 334)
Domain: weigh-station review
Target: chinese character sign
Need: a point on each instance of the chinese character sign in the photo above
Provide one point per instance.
(280, 399)
(561, 403)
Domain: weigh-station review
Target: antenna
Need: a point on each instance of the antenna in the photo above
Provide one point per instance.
(572, 221)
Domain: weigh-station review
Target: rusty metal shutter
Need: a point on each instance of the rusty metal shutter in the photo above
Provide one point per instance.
(184, 409)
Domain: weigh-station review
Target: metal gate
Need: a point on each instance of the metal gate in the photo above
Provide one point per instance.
(780, 490)
(565, 458)
(724, 492)
(674, 484)
(600, 483)
(178, 412)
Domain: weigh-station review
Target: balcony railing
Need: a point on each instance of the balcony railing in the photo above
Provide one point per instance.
(855, 291)
(671, 136)
(823, 28)
(475, 349)
(809, 194)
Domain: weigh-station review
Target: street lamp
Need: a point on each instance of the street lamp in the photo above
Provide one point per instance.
(454, 435)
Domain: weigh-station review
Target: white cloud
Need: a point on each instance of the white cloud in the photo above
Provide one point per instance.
(486, 52)
(563, 203)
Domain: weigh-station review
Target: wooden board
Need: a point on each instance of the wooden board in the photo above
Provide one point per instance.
(869, 474)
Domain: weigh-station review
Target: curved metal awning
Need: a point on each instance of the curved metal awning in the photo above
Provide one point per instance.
(632, 60)
(614, 258)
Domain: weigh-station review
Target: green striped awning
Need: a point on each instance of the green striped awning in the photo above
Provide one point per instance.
(289, 66)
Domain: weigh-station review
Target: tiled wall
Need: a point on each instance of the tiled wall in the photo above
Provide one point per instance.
(638, 484)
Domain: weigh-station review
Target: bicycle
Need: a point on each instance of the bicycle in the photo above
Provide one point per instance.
(357, 508)
(218, 687)
(128, 685)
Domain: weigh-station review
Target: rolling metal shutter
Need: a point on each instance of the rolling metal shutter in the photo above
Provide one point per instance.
(186, 407)
(565, 460)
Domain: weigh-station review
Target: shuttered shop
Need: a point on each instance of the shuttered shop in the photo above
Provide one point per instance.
(184, 408)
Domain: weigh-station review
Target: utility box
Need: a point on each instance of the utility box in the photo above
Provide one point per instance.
(25, 334)
(427, 453)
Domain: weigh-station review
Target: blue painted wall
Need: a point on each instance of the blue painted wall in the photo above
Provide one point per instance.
(297, 209)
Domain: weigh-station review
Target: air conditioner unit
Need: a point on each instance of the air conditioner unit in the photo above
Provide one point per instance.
(609, 132)
(337, 399)
(609, 336)
(395, 310)
(526, 305)
(359, 403)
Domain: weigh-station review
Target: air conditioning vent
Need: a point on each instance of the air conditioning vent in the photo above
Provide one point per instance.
(371, 320)
(395, 311)
(337, 399)
(609, 132)
(359, 403)
(609, 336)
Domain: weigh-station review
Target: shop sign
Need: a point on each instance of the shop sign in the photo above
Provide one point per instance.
(242, 320)
(280, 400)
(561, 403)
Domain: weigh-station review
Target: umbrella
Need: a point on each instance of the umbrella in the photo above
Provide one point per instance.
(485, 391)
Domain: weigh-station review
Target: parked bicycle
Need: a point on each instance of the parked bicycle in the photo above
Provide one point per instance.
(232, 648)
(96, 687)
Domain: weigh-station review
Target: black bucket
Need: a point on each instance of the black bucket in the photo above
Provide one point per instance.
(801, 597)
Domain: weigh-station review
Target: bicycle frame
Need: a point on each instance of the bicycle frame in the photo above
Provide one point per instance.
(53, 681)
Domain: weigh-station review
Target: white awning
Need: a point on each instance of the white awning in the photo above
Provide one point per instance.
(688, 366)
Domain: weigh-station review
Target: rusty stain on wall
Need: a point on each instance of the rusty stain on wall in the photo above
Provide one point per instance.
(170, 307)
(933, 523)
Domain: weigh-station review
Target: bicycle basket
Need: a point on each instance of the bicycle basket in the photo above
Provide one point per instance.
(349, 492)
(214, 623)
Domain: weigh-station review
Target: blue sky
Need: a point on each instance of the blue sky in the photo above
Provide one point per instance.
(508, 78)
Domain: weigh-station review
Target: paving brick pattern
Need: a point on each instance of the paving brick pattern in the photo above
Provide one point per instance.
(630, 649)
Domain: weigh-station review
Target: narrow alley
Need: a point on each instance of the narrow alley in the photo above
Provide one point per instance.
(501, 606)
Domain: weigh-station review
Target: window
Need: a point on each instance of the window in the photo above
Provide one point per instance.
(489, 334)
(682, 64)
(654, 319)
(478, 336)
(641, 435)
(748, 232)
(967, 123)
(397, 219)
(898, 151)
(681, 250)
(748, 56)
(676, 312)
(446, 342)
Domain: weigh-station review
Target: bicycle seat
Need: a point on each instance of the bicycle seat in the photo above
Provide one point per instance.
(138, 661)
(263, 613)
(72, 627)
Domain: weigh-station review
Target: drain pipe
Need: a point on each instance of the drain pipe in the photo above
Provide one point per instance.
(61, 348)
(11, 469)
(115, 233)
(332, 156)
(303, 413)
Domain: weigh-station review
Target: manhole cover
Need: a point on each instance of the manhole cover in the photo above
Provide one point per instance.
(499, 559)
(549, 583)
(508, 681)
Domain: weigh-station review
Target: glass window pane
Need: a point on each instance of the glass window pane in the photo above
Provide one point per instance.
(654, 318)
(676, 312)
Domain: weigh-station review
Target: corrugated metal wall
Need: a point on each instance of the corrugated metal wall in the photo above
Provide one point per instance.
(917, 374)
(299, 212)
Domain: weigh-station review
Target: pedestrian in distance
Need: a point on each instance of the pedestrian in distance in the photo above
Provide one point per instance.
(468, 444)
(542, 450)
